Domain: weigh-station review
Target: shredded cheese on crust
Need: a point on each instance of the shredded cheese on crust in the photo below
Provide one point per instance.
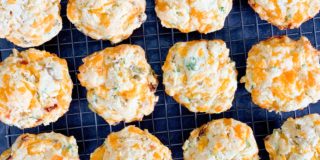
(121, 84)
(286, 14)
(298, 139)
(200, 75)
(35, 88)
(113, 20)
(29, 23)
(226, 139)
(283, 74)
(131, 143)
(204, 16)
(44, 146)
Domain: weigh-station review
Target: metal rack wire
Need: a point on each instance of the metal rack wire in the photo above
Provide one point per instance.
(170, 122)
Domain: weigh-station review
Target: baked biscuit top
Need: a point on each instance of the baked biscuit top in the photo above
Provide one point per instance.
(200, 75)
(29, 23)
(113, 20)
(226, 139)
(296, 140)
(283, 74)
(204, 16)
(131, 143)
(36, 88)
(286, 14)
(121, 84)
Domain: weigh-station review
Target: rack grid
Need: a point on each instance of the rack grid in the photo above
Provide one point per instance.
(170, 122)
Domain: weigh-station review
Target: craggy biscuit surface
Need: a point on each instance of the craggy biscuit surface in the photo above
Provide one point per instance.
(226, 139)
(286, 14)
(200, 75)
(121, 84)
(29, 23)
(44, 146)
(35, 88)
(131, 143)
(204, 16)
(283, 74)
(113, 20)
(296, 140)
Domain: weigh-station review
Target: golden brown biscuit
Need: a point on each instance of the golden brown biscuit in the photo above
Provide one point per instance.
(286, 14)
(204, 16)
(296, 140)
(283, 74)
(44, 146)
(226, 139)
(200, 75)
(29, 23)
(121, 84)
(113, 20)
(131, 143)
(36, 88)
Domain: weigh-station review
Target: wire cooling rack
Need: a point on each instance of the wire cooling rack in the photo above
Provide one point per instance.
(170, 122)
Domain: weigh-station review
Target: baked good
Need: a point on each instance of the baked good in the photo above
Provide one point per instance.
(45, 146)
(29, 23)
(131, 143)
(200, 75)
(35, 88)
(113, 20)
(297, 139)
(204, 16)
(226, 139)
(121, 84)
(283, 74)
(286, 14)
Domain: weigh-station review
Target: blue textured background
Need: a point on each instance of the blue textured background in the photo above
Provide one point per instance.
(170, 122)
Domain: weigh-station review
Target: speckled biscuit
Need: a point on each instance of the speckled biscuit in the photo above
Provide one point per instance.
(204, 16)
(226, 139)
(44, 146)
(286, 14)
(131, 143)
(283, 74)
(200, 75)
(113, 20)
(298, 139)
(29, 23)
(121, 84)
(35, 88)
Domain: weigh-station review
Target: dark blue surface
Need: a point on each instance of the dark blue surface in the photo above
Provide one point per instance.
(170, 122)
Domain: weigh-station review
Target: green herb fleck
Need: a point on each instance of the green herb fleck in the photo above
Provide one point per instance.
(177, 69)
(137, 69)
(288, 17)
(69, 147)
(248, 144)
(252, 86)
(191, 64)
(221, 9)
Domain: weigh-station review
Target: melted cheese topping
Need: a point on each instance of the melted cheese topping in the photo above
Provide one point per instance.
(225, 139)
(298, 139)
(44, 146)
(204, 16)
(114, 20)
(29, 23)
(200, 75)
(35, 88)
(121, 84)
(131, 143)
(286, 14)
(283, 74)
